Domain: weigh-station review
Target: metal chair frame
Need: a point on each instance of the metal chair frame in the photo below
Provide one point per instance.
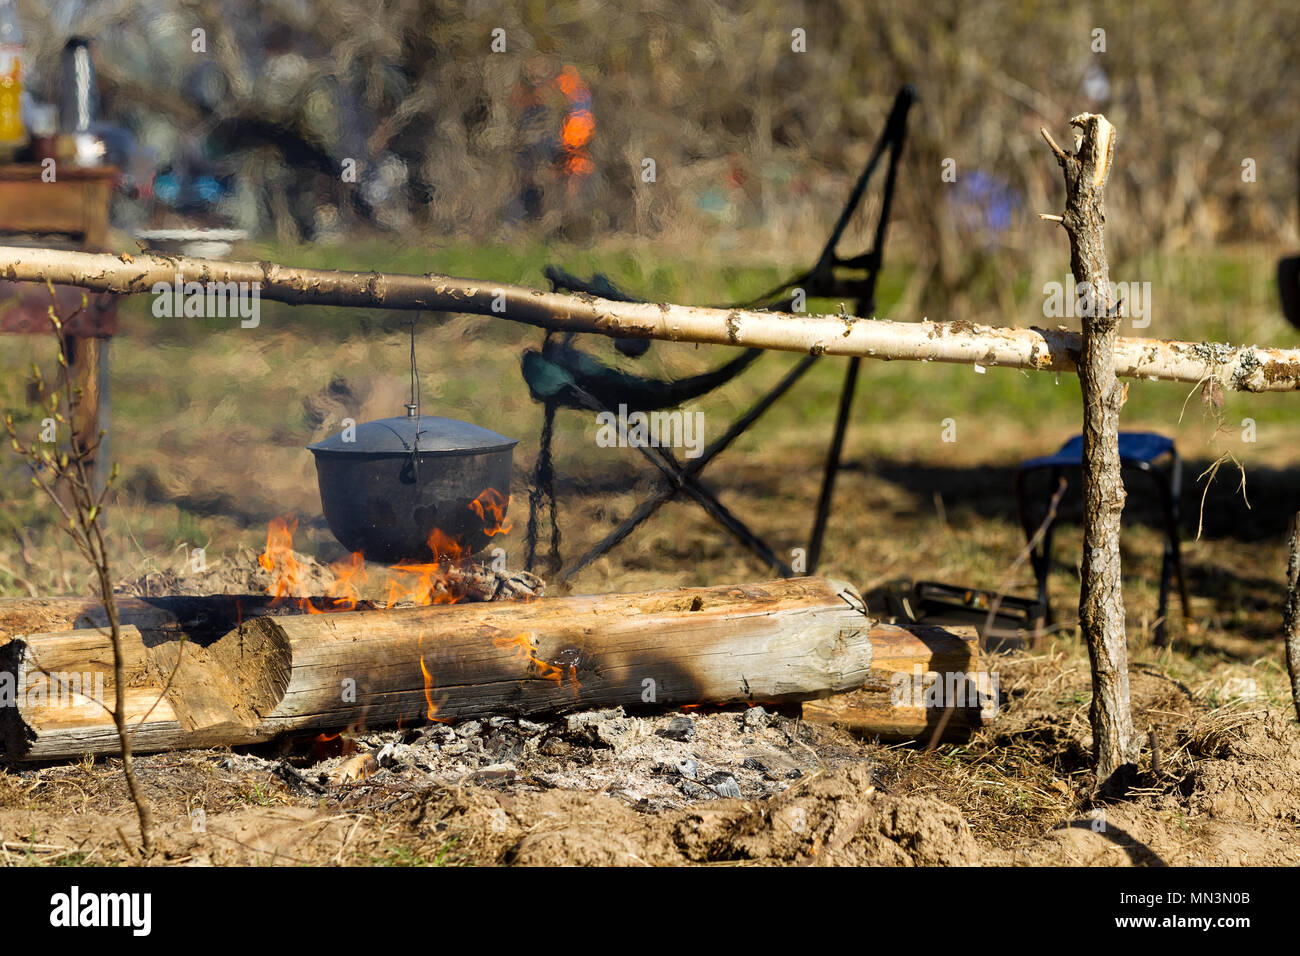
(1168, 484)
(821, 281)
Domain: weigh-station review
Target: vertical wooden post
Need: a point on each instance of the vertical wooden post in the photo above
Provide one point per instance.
(88, 370)
(1101, 599)
(1291, 613)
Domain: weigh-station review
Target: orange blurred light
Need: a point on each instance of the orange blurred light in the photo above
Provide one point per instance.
(578, 129)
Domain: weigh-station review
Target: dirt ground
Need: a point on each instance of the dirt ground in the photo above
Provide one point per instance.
(609, 789)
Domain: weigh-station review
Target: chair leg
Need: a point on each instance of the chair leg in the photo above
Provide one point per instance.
(833, 464)
(1176, 498)
(668, 489)
(1161, 636)
(1170, 488)
(689, 485)
(682, 480)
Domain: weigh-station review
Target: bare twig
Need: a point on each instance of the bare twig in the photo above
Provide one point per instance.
(64, 477)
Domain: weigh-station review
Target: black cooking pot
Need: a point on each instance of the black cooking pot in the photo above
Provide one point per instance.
(388, 486)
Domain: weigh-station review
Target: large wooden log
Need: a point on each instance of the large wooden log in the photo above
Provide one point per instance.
(1247, 368)
(925, 684)
(783, 641)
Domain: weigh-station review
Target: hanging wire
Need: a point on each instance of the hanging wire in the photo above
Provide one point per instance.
(414, 460)
(415, 373)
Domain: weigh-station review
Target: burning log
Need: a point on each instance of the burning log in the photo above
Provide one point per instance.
(203, 618)
(157, 618)
(784, 641)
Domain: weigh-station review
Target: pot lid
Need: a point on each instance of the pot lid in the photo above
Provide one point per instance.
(399, 435)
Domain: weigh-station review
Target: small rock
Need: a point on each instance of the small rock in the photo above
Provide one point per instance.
(607, 728)
(723, 784)
(692, 790)
(497, 773)
(555, 747)
(679, 728)
(588, 718)
(438, 734)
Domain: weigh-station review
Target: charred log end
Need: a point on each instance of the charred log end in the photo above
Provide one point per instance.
(16, 736)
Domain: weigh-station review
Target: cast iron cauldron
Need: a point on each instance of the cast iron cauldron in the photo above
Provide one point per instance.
(385, 492)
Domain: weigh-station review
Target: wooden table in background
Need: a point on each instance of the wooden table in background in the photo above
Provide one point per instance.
(72, 212)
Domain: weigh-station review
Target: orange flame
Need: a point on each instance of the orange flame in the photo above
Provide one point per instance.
(432, 712)
(349, 575)
(427, 582)
(288, 571)
(522, 644)
(490, 506)
(278, 558)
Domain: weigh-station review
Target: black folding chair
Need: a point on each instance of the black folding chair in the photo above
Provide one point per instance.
(559, 375)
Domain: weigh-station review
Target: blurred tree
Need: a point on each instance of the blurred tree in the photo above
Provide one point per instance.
(745, 130)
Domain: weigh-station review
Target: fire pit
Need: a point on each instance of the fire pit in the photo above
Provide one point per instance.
(414, 487)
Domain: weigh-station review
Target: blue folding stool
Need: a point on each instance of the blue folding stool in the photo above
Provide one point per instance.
(1137, 450)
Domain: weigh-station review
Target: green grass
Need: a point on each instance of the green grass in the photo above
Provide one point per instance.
(397, 854)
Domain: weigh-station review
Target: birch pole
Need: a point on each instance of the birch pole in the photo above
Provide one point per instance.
(1247, 368)
(1101, 598)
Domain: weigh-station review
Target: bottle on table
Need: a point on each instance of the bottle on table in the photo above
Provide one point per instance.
(13, 135)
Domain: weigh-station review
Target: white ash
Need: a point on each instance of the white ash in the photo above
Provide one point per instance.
(745, 753)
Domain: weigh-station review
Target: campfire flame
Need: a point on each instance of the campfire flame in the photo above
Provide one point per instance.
(278, 558)
(427, 582)
(421, 583)
(288, 572)
(349, 575)
(490, 506)
(432, 713)
(523, 645)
